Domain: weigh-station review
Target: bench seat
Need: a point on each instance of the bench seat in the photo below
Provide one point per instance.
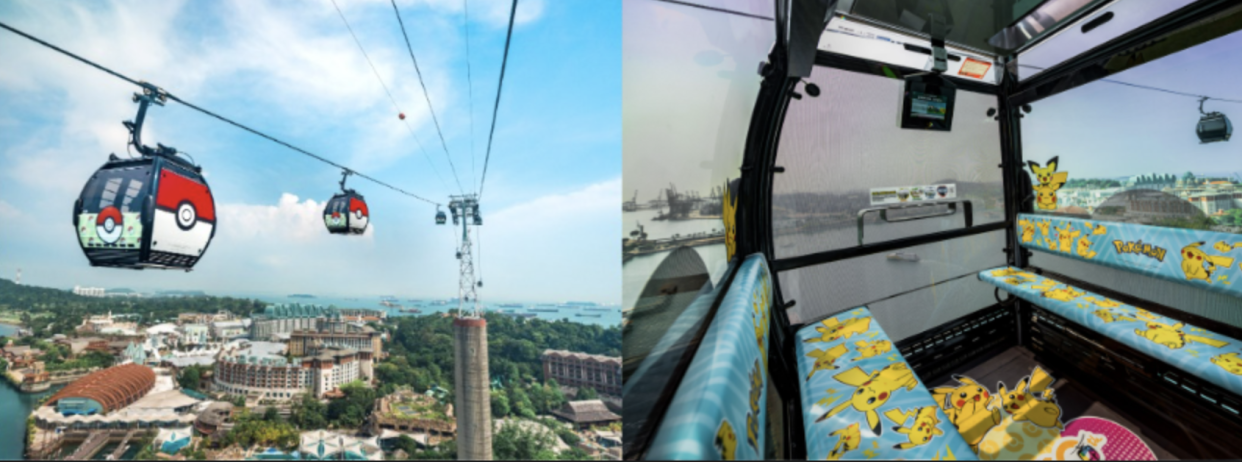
(1210, 356)
(861, 400)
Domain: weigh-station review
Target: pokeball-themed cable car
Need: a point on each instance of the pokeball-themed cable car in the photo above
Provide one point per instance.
(346, 212)
(153, 211)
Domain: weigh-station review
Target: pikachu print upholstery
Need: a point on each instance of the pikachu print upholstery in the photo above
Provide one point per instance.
(865, 402)
(1207, 355)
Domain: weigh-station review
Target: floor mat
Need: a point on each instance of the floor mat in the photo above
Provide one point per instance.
(1010, 407)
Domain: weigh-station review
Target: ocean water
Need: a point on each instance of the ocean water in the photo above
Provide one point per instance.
(636, 272)
(610, 317)
(13, 404)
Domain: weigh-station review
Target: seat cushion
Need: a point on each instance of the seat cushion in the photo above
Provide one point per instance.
(1210, 356)
(861, 400)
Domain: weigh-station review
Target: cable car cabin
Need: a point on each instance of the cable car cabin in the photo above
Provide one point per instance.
(147, 212)
(346, 213)
(440, 217)
(1068, 267)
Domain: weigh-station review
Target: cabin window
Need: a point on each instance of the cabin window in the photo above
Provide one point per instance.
(845, 154)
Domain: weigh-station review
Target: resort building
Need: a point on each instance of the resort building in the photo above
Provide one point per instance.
(335, 333)
(262, 370)
(204, 318)
(283, 319)
(228, 330)
(89, 291)
(573, 369)
(106, 324)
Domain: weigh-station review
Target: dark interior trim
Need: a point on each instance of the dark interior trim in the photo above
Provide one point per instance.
(867, 66)
(1089, 66)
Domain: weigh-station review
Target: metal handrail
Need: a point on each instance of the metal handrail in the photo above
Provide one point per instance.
(967, 211)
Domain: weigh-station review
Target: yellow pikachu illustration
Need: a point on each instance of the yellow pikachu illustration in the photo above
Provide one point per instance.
(920, 431)
(1043, 227)
(872, 349)
(1173, 337)
(976, 425)
(1198, 265)
(963, 400)
(1230, 362)
(1084, 248)
(1063, 294)
(832, 330)
(1046, 196)
(1066, 237)
(1223, 246)
(1096, 229)
(1050, 244)
(1103, 302)
(1108, 316)
(873, 390)
(848, 439)
(1025, 403)
(1045, 285)
(726, 441)
(824, 359)
(1028, 230)
(1000, 273)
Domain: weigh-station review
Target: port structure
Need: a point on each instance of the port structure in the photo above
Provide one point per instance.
(470, 362)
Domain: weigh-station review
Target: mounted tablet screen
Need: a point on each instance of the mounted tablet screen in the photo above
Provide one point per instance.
(927, 103)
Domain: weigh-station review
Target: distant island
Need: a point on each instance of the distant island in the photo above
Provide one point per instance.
(301, 296)
(182, 293)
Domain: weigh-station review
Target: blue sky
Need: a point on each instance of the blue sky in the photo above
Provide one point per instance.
(291, 69)
(1108, 130)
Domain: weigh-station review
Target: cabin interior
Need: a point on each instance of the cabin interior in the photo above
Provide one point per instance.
(964, 230)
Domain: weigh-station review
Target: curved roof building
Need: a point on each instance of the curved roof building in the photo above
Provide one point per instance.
(104, 391)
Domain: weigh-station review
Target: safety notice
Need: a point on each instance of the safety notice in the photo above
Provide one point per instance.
(974, 68)
(885, 196)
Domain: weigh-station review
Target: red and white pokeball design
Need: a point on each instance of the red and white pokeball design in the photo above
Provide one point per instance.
(109, 224)
(361, 215)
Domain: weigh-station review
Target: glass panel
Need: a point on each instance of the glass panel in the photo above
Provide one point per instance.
(690, 86)
(690, 83)
(838, 147)
(1126, 148)
(969, 22)
(822, 290)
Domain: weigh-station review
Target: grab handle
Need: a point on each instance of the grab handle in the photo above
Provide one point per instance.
(967, 212)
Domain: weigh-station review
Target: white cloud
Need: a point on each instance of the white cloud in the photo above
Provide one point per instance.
(289, 220)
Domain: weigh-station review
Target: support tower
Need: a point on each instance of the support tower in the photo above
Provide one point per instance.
(473, 386)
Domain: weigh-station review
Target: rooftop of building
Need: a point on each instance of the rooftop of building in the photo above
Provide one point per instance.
(110, 387)
(264, 353)
(588, 411)
(582, 356)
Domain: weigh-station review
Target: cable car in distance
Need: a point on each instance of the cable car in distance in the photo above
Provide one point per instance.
(154, 211)
(1213, 126)
(346, 212)
(440, 218)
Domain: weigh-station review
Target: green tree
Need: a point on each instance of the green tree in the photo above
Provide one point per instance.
(520, 402)
(500, 405)
(271, 414)
(513, 442)
(307, 413)
(585, 393)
